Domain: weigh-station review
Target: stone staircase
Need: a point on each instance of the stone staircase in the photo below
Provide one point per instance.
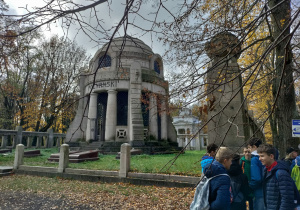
(94, 145)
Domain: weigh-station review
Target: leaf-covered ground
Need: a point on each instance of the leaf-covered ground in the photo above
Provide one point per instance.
(31, 192)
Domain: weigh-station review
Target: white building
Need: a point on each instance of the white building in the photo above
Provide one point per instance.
(123, 97)
(187, 127)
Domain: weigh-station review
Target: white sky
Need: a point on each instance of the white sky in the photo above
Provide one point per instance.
(110, 18)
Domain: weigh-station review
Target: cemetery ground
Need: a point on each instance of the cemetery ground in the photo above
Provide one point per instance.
(32, 192)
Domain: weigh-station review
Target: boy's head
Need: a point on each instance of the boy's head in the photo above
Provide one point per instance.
(291, 152)
(254, 143)
(224, 156)
(247, 153)
(211, 149)
(266, 154)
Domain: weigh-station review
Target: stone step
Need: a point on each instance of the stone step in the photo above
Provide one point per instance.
(5, 170)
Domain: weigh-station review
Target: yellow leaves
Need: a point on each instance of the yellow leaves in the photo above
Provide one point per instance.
(282, 22)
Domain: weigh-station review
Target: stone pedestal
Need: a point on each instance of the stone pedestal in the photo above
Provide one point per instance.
(124, 160)
(19, 155)
(63, 158)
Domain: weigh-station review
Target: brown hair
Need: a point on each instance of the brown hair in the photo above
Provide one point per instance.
(267, 148)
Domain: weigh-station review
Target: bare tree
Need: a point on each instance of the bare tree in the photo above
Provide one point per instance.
(267, 31)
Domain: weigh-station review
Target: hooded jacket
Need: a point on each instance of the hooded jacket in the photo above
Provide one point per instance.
(246, 167)
(206, 160)
(256, 175)
(219, 187)
(279, 188)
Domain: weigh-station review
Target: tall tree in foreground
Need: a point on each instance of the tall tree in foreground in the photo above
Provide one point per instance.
(185, 27)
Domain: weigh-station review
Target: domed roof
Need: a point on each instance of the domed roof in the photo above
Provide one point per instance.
(128, 43)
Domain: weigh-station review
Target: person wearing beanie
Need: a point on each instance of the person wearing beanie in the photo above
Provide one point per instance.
(291, 154)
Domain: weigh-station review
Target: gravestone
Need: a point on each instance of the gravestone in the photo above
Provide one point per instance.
(77, 156)
(32, 153)
(5, 150)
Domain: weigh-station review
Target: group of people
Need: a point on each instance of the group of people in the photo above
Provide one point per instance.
(256, 181)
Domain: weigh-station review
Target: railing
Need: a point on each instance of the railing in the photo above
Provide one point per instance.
(45, 139)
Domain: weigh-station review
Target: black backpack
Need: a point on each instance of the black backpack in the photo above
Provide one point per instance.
(236, 185)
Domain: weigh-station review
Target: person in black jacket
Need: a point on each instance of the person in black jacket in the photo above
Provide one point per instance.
(279, 189)
(239, 185)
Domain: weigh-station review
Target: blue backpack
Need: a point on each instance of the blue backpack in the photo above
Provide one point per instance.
(201, 196)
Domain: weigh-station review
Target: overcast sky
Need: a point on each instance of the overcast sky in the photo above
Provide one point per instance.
(110, 17)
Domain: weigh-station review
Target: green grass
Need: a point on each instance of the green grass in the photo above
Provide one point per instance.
(186, 164)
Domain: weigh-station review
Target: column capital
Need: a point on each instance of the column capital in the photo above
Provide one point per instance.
(112, 91)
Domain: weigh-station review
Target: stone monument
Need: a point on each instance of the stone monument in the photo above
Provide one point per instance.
(226, 110)
(123, 97)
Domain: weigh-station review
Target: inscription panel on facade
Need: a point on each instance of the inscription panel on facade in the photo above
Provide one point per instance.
(106, 85)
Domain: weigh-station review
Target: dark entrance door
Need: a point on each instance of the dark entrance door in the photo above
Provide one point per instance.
(101, 115)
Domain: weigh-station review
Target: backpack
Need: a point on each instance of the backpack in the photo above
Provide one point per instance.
(296, 189)
(296, 175)
(236, 191)
(201, 196)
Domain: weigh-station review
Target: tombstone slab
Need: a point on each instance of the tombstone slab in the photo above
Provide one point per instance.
(32, 153)
(5, 170)
(77, 156)
(5, 150)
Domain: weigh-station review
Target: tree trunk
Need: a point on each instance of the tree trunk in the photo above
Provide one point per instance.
(283, 83)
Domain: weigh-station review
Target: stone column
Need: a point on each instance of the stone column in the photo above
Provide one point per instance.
(4, 142)
(19, 155)
(50, 138)
(153, 127)
(111, 116)
(19, 135)
(124, 160)
(14, 139)
(29, 141)
(164, 120)
(92, 115)
(135, 122)
(198, 143)
(58, 140)
(63, 158)
(38, 142)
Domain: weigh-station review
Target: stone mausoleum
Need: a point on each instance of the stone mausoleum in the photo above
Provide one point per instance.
(123, 98)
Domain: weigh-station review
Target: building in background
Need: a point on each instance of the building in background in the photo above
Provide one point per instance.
(187, 127)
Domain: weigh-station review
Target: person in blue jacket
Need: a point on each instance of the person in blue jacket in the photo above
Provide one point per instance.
(256, 172)
(279, 188)
(219, 187)
(209, 157)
